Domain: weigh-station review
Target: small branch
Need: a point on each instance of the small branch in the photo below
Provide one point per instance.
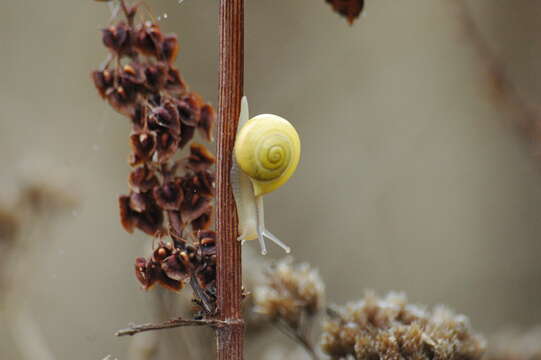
(170, 324)
(28, 336)
(299, 338)
(502, 86)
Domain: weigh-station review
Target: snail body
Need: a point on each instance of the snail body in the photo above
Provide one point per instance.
(266, 154)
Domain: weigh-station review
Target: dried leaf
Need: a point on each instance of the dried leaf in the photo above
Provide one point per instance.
(350, 9)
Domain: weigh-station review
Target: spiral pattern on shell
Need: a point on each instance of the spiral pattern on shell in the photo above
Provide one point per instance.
(268, 151)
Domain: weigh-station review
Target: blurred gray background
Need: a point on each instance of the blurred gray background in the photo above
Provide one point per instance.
(412, 178)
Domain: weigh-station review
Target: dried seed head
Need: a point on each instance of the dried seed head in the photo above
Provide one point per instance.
(104, 81)
(140, 81)
(206, 120)
(186, 135)
(174, 82)
(167, 144)
(189, 108)
(207, 242)
(9, 228)
(132, 78)
(167, 116)
(149, 272)
(156, 76)
(203, 222)
(290, 291)
(142, 179)
(516, 345)
(200, 158)
(148, 39)
(140, 211)
(122, 99)
(118, 38)
(162, 251)
(170, 48)
(389, 329)
(175, 269)
(169, 196)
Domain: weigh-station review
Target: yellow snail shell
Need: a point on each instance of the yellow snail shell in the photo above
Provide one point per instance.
(268, 150)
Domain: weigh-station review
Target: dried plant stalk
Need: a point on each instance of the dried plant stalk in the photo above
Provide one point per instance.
(230, 338)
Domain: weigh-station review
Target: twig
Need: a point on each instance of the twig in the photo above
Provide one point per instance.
(297, 337)
(230, 338)
(502, 86)
(170, 324)
(28, 336)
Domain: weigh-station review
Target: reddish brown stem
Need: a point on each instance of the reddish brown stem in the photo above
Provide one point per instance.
(230, 338)
(169, 324)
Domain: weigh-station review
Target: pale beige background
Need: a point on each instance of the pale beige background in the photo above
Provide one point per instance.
(411, 178)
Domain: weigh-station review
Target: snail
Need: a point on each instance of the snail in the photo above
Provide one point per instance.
(266, 153)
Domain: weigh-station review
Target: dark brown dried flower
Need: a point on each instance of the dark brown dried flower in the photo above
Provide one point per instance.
(186, 135)
(169, 196)
(132, 78)
(207, 242)
(167, 116)
(207, 275)
(122, 99)
(167, 145)
(175, 226)
(291, 292)
(170, 48)
(350, 9)
(149, 272)
(202, 222)
(391, 329)
(104, 81)
(189, 107)
(118, 38)
(148, 39)
(142, 179)
(206, 119)
(200, 184)
(174, 82)
(156, 75)
(200, 158)
(139, 211)
(138, 117)
(175, 268)
(162, 252)
(193, 207)
(143, 143)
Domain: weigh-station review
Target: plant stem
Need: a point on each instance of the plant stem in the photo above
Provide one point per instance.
(298, 337)
(230, 338)
(503, 87)
(169, 324)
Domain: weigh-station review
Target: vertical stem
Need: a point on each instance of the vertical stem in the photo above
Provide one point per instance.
(230, 337)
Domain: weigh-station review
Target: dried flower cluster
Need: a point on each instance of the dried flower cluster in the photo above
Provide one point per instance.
(167, 197)
(350, 9)
(391, 329)
(9, 227)
(290, 294)
(516, 345)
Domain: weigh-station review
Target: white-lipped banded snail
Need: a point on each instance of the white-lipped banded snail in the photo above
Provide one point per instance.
(266, 154)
